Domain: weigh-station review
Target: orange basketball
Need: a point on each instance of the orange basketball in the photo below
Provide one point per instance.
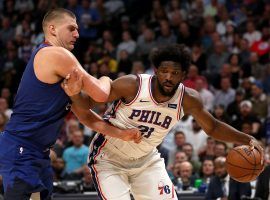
(244, 164)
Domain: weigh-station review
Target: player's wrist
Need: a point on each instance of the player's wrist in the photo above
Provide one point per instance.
(75, 97)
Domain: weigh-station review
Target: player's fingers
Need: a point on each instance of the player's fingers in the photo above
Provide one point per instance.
(251, 145)
(62, 85)
(138, 137)
(76, 74)
(67, 77)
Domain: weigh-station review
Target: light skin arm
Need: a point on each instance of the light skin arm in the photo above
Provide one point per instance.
(95, 122)
(214, 128)
(52, 64)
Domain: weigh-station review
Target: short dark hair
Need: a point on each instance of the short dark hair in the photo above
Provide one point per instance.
(177, 53)
(56, 13)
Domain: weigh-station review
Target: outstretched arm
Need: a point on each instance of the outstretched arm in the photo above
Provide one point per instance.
(95, 122)
(213, 127)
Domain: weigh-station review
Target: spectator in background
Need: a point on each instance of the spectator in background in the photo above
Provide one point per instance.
(166, 36)
(3, 121)
(206, 95)
(259, 101)
(185, 176)
(111, 62)
(244, 51)
(198, 57)
(124, 62)
(226, 94)
(24, 5)
(127, 44)
(137, 68)
(145, 43)
(236, 70)
(220, 114)
(266, 80)
(248, 116)
(207, 171)
(193, 76)
(7, 32)
(216, 59)
(196, 137)
(4, 108)
(75, 157)
(179, 141)
(6, 94)
(233, 109)
(223, 187)
(220, 149)
(252, 35)
(88, 20)
(221, 27)
(208, 151)
(184, 35)
(253, 68)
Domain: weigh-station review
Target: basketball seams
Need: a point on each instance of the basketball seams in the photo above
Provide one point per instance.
(243, 156)
(242, 167)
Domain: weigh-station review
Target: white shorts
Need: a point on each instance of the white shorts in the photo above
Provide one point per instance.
(115, 177)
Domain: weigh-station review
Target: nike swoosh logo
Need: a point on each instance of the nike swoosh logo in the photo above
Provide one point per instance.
(143, 101)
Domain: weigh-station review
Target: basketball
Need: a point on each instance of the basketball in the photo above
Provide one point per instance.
(244, 164)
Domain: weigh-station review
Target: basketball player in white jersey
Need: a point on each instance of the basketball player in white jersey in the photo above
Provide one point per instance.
(153, 104)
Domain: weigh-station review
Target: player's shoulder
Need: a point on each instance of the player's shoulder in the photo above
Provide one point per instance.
(129, 79)
(191, 93)
(54, 51)
(191, 99)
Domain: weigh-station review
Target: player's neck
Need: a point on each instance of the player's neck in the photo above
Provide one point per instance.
(52, 42)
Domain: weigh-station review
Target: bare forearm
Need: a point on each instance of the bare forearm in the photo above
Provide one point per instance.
(227, 133)
(97, 89)
(95, 122)
(82, 101)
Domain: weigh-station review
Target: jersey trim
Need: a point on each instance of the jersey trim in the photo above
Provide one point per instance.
(180, 102)
(139, 90)
(98, 143)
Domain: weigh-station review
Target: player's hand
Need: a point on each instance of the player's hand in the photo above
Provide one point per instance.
(72, 84)
(255, 144)
(131, 135)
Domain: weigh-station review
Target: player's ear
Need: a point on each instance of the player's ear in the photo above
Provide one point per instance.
(184, 74)
(155, 70)
(52, 30)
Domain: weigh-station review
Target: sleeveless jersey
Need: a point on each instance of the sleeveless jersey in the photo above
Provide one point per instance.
(39, 108)
(152, 118)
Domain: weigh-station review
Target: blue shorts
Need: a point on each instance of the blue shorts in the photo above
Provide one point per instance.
(25, 168)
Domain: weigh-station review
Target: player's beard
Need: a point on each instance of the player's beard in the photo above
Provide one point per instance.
(163, 92)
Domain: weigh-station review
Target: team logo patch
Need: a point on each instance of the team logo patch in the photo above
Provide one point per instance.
(174, 106)
(143, 100)
(163, 189)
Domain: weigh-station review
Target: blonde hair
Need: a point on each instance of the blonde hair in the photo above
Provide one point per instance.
(56, 14)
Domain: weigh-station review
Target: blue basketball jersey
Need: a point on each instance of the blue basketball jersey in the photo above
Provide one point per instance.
(39, 108)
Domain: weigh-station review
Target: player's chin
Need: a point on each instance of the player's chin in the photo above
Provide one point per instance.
(71, 47)
(168, 91)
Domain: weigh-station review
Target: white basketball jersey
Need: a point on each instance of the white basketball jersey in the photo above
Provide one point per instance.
(153, 119)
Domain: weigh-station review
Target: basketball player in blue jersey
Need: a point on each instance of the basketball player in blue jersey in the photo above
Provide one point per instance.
(153, 104)
(40, 106)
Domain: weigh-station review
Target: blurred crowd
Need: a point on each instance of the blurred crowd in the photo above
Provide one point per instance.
(229, 41)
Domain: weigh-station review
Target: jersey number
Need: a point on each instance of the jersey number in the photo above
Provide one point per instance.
(146, 131)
